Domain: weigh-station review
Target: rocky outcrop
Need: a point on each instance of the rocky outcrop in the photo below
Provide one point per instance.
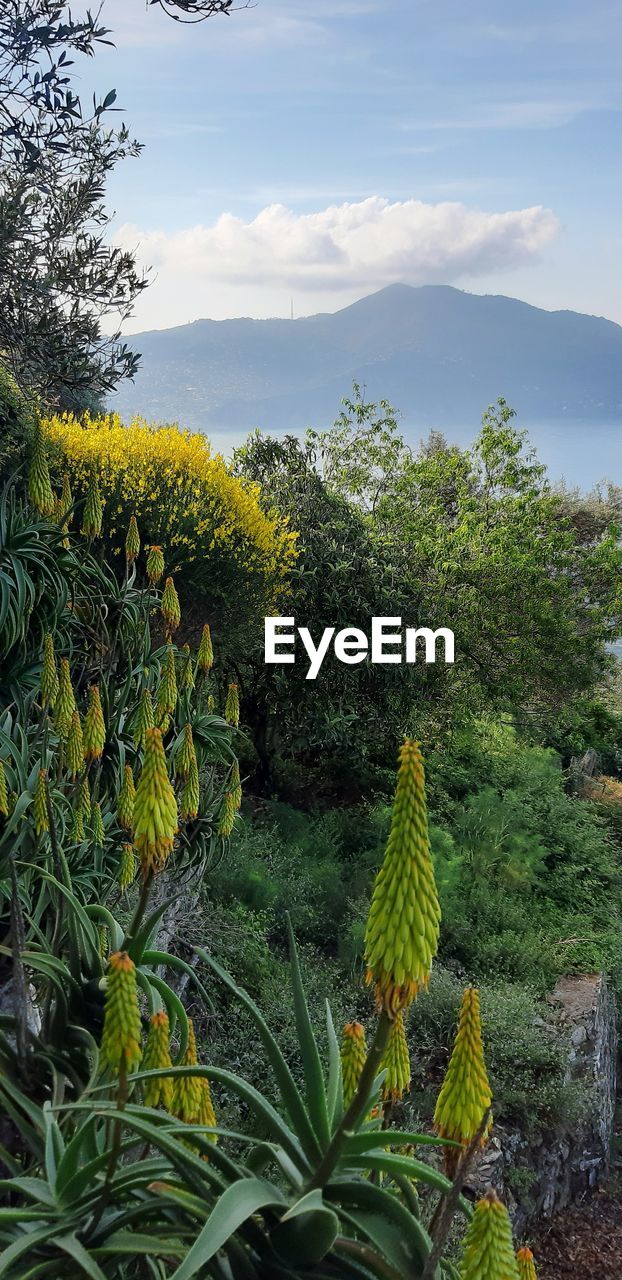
(539, 1176)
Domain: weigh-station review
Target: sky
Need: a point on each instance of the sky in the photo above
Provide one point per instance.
(312, 151)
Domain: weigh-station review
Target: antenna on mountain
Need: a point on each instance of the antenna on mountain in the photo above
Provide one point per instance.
(292, 309)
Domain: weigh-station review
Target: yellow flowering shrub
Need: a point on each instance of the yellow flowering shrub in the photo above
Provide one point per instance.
(208, 522)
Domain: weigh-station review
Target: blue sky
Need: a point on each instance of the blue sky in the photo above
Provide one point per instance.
(318, 149)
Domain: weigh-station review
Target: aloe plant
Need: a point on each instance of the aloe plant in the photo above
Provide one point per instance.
(315, 1195)
(98, 1183)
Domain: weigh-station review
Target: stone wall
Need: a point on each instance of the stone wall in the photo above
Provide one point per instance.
(536, 1178)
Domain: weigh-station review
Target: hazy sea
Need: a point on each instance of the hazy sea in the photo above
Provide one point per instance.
(579, 453)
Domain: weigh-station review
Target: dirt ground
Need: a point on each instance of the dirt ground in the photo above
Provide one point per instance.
(583, 1243)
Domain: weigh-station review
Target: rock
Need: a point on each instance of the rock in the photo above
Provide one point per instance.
(538, 1177)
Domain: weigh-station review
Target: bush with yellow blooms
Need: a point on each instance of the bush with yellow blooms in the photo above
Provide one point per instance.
(209, 523)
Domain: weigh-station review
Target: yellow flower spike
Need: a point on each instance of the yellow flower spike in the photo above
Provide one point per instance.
(103, 940)
(190, 794)
(169, 606)
(187, 1093)
(155, 565)
(401, 938)
(132, 541)
(127, 867)
(157, 1056)
(166, 699)
(526, 1265)
(93, 511)
(232, 706)
(125, 803)
(85, 797)
(465, 1095)
(155, 807)
(66, 498)
(120, 1046)
(63, 507)
(488, 1249)
(77, 826)
(397, 1062)
(65, 703)
(187, 674)
(206, 1114)
(49, 675)
(210, 703)
(94, 732)
(75, 746)
(235, 785)
(228, 814)
(40, 806)
(143, 719)
(97, 826)
(205, 656)
(186, 756)
(4, 799)
(39, 487)
(353, 1055)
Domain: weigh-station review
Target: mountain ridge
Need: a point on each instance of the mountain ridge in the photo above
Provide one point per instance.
(438, 353)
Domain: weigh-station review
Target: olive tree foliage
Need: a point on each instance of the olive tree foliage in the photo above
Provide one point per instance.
(60, 278)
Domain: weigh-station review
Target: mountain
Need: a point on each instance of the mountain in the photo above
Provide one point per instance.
(440, 355)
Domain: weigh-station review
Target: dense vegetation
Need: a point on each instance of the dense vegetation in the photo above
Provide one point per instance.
(160, 1118)
(475, 539)
(101, 966)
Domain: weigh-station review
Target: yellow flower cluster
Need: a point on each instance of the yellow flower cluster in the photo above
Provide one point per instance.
(157, 1056)
(401, 938)
(526, 1264)
(353, 1055)
(465, 1096)
(181, 495)
(396, 1061)
(120, 1046)
(488, 1249)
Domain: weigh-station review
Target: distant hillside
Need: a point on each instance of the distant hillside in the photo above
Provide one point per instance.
(438, 354)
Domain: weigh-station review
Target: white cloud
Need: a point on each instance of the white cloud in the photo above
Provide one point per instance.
(353, 245)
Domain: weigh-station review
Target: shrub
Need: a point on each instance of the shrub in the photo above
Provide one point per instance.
(209, 522)
(529, 874)
(302, 876)
(525, 1053)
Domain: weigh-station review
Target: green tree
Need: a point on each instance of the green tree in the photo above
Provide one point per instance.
(60, 277)
(340, 579)
(475, 540)
(531, 602)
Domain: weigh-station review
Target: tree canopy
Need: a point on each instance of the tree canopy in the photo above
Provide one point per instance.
(60, 277)
(471, 539)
